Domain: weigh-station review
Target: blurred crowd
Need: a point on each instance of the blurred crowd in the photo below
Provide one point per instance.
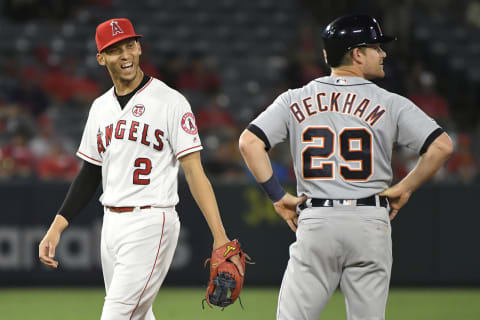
(37, 91)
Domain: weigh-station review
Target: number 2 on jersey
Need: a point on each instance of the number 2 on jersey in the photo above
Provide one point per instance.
(360, 152)
(144, 166)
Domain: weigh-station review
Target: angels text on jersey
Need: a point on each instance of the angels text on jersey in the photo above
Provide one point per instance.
(129, 130)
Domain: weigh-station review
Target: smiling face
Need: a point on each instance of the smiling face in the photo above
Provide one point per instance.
(122, 61)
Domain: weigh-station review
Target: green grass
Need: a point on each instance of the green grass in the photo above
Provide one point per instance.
(185, 304)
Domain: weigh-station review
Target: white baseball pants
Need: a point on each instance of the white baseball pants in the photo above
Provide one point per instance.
(137, 249)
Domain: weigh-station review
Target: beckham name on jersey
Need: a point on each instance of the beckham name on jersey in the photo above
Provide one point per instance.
(133, 134)
(311, 106)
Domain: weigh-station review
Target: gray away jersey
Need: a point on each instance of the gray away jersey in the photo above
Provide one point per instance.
(342, 131)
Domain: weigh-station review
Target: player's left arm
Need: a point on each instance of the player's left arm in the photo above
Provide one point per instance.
(204, 196)
(430, 161)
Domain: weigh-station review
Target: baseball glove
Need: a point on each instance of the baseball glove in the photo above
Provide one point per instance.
(225, 282)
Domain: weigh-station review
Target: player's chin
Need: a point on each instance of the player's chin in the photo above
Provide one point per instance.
(128, 75)
(375, 75)
(380, 73)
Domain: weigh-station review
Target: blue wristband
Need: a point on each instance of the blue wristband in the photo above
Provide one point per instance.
(273, 189)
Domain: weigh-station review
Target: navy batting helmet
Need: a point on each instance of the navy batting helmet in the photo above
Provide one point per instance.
(348, 32)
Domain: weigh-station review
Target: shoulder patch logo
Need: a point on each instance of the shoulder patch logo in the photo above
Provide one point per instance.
(138, 110)
(188, 123)
(115, 28)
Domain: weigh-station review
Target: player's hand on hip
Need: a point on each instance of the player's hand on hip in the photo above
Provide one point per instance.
(46, 249)
(397, 196)
(287, 209)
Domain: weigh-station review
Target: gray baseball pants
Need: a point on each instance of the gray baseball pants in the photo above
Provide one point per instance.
(344, 245)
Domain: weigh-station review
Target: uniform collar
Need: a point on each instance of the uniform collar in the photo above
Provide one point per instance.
(123, 100)
(343, 81)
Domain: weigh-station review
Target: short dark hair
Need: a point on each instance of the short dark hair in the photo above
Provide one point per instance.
(347, 57)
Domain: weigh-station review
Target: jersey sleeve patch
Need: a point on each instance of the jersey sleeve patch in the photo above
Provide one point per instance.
(188, 123)
(89, 159)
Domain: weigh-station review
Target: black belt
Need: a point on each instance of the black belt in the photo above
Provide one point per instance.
(369, 201)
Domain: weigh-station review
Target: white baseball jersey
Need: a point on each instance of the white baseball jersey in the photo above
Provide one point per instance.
(138, 146)
(342, 132)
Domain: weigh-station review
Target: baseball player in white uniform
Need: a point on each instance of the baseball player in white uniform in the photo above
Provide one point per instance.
(341, 130)
(136, 135)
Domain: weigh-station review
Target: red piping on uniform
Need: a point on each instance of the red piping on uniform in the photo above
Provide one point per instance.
(146, 85)
(187, 150)
(89, 157)
(153, 268)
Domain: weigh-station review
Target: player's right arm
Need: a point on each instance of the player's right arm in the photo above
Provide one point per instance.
(46, 249)
(253, 151)
(429, 162)
(79, 194)
(263, 133)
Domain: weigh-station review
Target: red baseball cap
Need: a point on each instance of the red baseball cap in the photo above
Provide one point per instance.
(113, 31)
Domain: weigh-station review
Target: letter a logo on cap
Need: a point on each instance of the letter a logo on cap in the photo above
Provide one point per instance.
(115, 28)
(112, 31)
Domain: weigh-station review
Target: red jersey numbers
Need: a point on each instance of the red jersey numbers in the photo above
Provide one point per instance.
(144, 167)
(355, 146)
(188, 123)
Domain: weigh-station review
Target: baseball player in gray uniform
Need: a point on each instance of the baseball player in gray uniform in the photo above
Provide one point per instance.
(341, 130)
